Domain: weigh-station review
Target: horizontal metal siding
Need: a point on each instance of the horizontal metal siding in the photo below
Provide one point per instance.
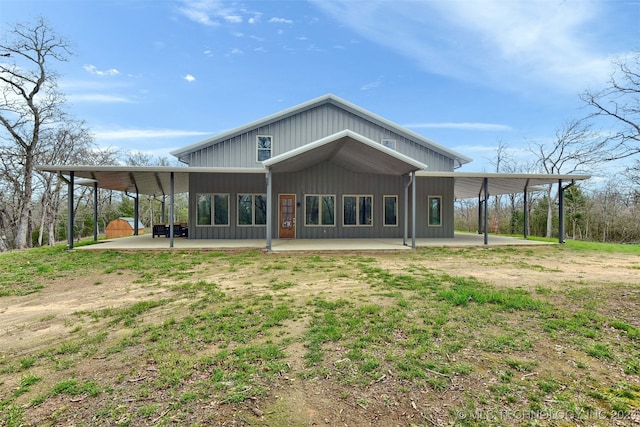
(303, 128)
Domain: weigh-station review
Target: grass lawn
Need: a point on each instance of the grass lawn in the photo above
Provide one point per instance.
(545, 335)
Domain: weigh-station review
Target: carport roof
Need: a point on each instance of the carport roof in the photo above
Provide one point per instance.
(349, 150)
(156, 180)
(151, 180)
(470, 184)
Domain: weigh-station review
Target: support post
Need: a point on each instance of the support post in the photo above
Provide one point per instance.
(405, 236)
(526, 210)
(70, 213)
(560, 212)
(480, 212)
(136, 214)
(163, 220)
(413, 209)
(269, 208)
(95, 211)
(171, 210)
(486, 211)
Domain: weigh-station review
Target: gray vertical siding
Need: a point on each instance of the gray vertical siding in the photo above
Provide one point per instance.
(435, 187)
(305, 127)
(324, 178)
(227, 183)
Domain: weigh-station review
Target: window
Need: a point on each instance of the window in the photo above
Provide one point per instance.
(264, 147)
(252, 209)
(219, 210)
(203, 209)
(319, 210)
(389, 143)
(390, 210)
(357, 210)
(434, 206)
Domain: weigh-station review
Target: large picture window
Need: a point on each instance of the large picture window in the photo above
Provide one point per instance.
(212, 207)
(264, 144)
(434, 206)
(390, 210)
(357, 210)
(319, 209)
(252, 209)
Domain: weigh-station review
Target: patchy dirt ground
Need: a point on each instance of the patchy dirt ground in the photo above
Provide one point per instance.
(37, 321)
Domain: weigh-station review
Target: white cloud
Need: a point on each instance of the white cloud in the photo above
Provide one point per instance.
(215, 12)
(372, 85)
(208, 12)
(507, 44)
(189, 78)
(257, 17)
(236, 51)
(118, 134)
(92, 69)
(276, 20)
(98, 98)
(233, 19)
(461, 126)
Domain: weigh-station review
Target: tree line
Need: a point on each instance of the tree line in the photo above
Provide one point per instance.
(36, 129)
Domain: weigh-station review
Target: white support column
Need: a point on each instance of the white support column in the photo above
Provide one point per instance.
(269, 208)
(406, 210)
(171, 210)
(413, 209)
(526, 210)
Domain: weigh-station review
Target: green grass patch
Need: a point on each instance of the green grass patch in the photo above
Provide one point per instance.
(465, 291)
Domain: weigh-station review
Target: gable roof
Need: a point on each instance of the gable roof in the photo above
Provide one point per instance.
(349, 150)
(459, 158)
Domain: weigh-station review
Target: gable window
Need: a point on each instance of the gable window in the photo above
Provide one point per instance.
(252, 209)
(319, 209)
(390, 210)
(264, 144)
(434, 207)
(357, 210)
(212, 206)
(389, 143)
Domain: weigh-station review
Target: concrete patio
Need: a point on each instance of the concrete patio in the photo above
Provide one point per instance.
(145, 242)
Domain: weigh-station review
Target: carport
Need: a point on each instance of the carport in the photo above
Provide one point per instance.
(166, 181)
(482, 185)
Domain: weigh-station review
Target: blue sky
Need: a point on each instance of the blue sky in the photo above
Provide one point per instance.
(156, 75)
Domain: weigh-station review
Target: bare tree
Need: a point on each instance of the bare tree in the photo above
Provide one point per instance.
(501, 158)
(576, 149)
(620, 102)
(70, 144)
(29, 103)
